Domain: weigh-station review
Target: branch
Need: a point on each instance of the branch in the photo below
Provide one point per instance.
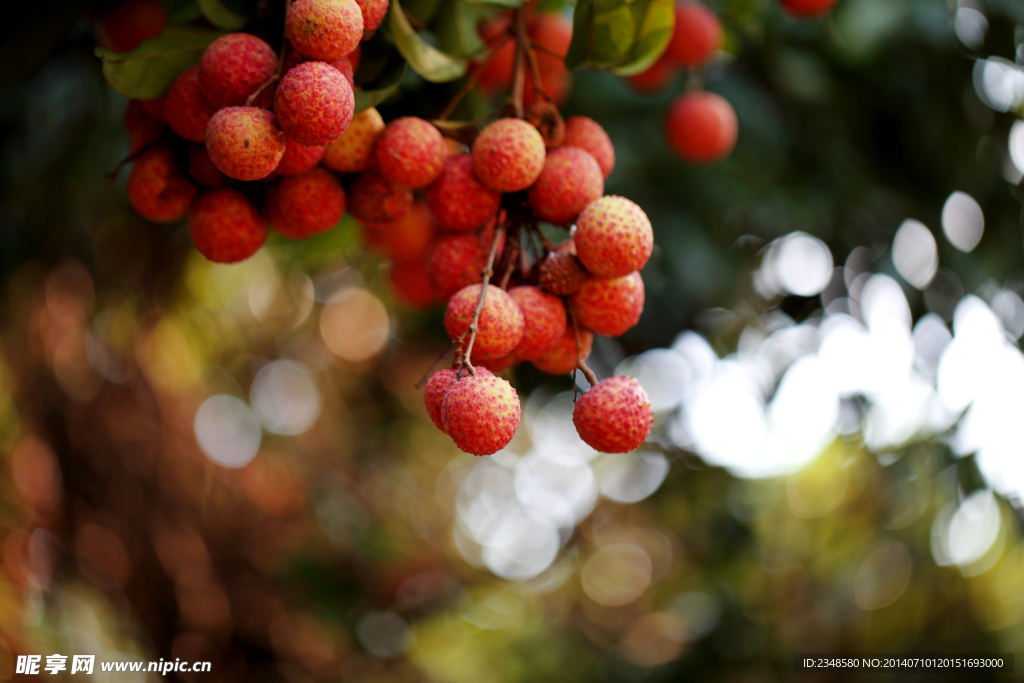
(535, 71)
(280, 61)
(487, 273)
(474, 77)
(580, 363)
(519, 75)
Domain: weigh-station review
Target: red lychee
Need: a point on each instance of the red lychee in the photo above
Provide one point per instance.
(410, 284)
(411, 151)
(438, 386)
(496, 74)
(560, 359)
(501, 322)
(454, 262)
(406, 239)
(807, 8)
(130, 22)
(154, 108)
(613, 237)
(552, 32)
(508, 155)
(561, 272)
(701, 127)
(377, 199)
(235, 66)
(588, 135)
(324, 29)
(496, 365)
(344, 65)
(374, 12)
(458, 200)
(352, 151)
(314, 103)
(656, 78)
(245, 142)
(481, 414)
(696, 36)
(225, 227)
(157, 190)
(610, 307)
(544, 321)
(614, 416)
(202, 168)
(571, 180)
(142, 128)
(304, 205)
(186, 108)
(298, 158)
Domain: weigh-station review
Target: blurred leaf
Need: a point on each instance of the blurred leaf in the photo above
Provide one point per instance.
(497, 4)
(221, 16)
(429, 62)
(456, 28)
(388, 87)
(655, 20)
(145, 72)
(602, 33)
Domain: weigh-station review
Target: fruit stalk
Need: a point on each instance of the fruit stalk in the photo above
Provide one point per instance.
(487, 273)
(580, 363)
(280, 64)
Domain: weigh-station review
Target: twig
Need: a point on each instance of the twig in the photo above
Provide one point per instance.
(280, 61)
(580, 363)
(535, 70)
(487, 273)
(519, 75)
(471, 81)
(549, 52)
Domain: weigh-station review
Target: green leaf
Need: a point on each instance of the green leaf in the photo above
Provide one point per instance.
(456, 28)
(602, 34)
(655, 20)
(429, 62)
(386, 88)
(221, 16)
(145, 72)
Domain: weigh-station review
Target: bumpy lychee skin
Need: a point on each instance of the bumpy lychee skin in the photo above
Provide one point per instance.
(245, 142)
(157, 190)
(130, 22)
(304, 205)
(438, 386)
(233, 67)
(544, 321)
(571, 179)
(225, 227)
(508, 155)
(587, 134)
(186, 109)
(324, 29)
(610, 307)
(201, 167)
(614, 416)
(405, 239)
(352, 151)
(314, 103)
(374, 12)
(410, 284)
(142, 128)
(613, 237)
(696, 36)
(454, 262)
(480, 414)
(560, 359)
(411, 152)
(561, 272)
(375, 198)
(298, 158)
(807, 8)
(501, 321)
(701, 127)
(458, 200)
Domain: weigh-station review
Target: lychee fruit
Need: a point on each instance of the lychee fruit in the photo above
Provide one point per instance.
(458, 200)
(154, 108)
(324, 29)
(405, 239)
(496, 365)
(496, 73)
(588, 135)
(613, 237)
(501, 322)
(508, 155)
(235, 66)
(157, 190)
(304, 205)
(807, 8)
(438, 386)
(352, 151)
(374, 12)
(701, 127)
(186, 109)
(614, 415)
(314, 103)
(410, 284)
(225, 227)
(130, 22)
(571, 180)
(411, 151)
(202, 169)
(454, 262)
(696, 36)
(480, 413)
(245, 142)
(561, 272)
(544, 321)
(142, 128)
(375, 198)
(298, 158)
(609, 307)
(656, 78)
(344, 65)
(560, 359)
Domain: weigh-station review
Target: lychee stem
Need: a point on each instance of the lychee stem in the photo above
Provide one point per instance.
(280, 62)
(580, 363)
(519, 75)
(471, 81)
(531, 57)
(548, 51)
(487, 273)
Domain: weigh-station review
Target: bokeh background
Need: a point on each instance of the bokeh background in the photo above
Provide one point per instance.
(233, 464)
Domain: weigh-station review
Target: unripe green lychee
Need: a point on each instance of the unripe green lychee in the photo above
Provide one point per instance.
(544, 321)
(298, 158)
(610, 307)
(411, 151)
(501, 322)
(508, 155)
(614, 416)
(571, 179)
(561, 272)
(701, 127)
(374, 12)
(405, 239)
(613, 237)
(324, 29)
(438, 386)
(480, 413)
(186, 108)
(696, 36)
(352, 151)
(235, 66)
(157, 190)
(142, 128)
(314, 103)
(454, 262)
(410, 284)
(378, 199)
(201, 167)
(458, 200)
(560, 359)
(245, 142)
(587, 134)
(304, 205)
(225, 227)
